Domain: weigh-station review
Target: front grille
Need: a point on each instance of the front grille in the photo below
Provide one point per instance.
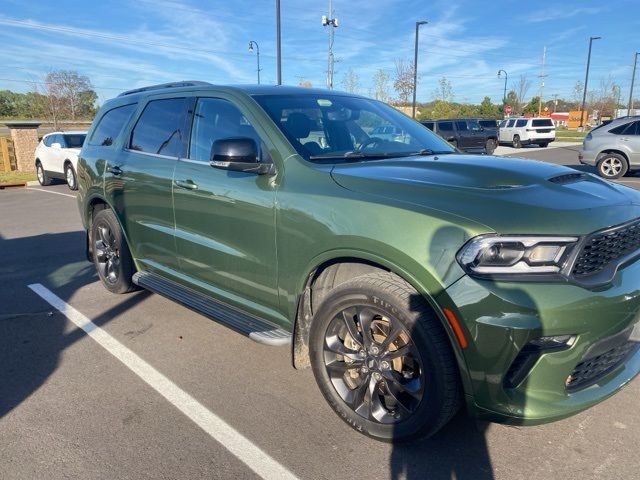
(590, 371)
(601, 249)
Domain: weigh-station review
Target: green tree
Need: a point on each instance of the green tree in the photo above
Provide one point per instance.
(532, 106)
(487, 108)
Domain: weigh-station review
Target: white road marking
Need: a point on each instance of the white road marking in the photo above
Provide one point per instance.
(241, 447)
(50, 191)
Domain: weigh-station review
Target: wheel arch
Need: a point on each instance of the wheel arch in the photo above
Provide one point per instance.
(93, 205)
(616, 151)
(331, 272)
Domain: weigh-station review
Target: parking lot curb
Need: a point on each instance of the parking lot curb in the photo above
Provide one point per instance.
(33, 183)
(12, 185)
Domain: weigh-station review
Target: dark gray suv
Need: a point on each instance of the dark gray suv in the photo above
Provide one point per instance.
(466, 134)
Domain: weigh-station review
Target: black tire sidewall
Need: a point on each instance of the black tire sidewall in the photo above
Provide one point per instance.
(490, 146)
(126, 268)
(45, 181)
(426, 418)
(516, 142)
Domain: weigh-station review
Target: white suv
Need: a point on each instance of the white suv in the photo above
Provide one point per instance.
(525, 131)
(56, 156)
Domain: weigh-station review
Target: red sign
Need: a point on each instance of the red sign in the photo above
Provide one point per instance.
(508, 109)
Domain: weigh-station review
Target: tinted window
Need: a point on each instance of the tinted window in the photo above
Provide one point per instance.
(634, 129)
(521, 123)
(619, 130)
(110, 125)
(545, 122)
(429, 125)
(461, 126)
(448, 126)
(503, 123)
(216, 119)
(511, 122)
(74, 140)
(488, 123)
(158, 129)
(48, 140)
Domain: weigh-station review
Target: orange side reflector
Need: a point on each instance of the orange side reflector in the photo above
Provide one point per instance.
(455, 325)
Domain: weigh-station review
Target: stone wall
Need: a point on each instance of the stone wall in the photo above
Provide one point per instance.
(25, 141)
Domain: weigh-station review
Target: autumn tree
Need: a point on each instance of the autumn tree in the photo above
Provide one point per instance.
(403, 81)
(351, 81)
(521, 88)
(380, 88)
(444, 91)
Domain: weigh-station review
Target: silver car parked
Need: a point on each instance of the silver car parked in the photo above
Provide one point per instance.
(614, 148)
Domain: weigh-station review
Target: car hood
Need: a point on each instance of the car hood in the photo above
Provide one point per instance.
(506, 195)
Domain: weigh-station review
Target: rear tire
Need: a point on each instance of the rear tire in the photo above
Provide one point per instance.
(490, 146)
(70, 176)
(543, 145)
(43, 179)
(111, 255)
(612, 166)
(385, 395)
(516, 141)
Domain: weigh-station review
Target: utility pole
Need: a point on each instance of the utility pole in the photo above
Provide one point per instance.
(329, 21)
(586, 81)
(415, 69)
(633, 77)
(278, 49)
(542, 75)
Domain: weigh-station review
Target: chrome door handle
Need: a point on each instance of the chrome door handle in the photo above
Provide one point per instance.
(188, 184)
(115, 170)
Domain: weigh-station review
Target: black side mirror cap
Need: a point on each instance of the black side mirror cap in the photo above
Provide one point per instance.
(240, 155)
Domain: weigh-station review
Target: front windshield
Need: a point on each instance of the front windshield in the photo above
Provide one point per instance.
(338, 127)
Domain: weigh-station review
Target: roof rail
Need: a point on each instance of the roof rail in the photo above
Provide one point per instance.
(188, 83)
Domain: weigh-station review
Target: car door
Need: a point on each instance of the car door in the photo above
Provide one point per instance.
(139, 180)
(445, 129)
(465, 138)
(629, 142)
(225, 220)
(56, 154)
(477, 134)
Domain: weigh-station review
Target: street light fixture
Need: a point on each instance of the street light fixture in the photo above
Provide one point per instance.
(504, 95)
(251, 44)
(415, 68)
(633, 77)
(586, 81)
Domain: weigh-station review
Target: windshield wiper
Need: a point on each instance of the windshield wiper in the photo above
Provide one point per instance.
(425, 152)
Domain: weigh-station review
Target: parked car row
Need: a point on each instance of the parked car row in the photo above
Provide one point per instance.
(466, 134)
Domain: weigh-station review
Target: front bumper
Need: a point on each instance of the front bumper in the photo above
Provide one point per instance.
(501, 318)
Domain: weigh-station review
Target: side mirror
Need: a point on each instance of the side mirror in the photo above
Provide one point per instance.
(239, 155)
(56, 145)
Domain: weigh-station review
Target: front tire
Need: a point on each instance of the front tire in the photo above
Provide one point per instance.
(43, 179)
(111, 255)
(612, 166)
(70, 176)
(382, 359)
(517, 143)
(543, 145)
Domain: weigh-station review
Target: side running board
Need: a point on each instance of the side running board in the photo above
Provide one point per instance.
(257, 329)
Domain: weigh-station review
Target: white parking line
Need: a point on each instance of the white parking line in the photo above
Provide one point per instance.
(49, 191)
(241, 447)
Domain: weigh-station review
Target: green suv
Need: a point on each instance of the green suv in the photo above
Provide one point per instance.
(411, 279)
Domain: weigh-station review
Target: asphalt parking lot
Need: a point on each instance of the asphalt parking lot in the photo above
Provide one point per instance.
(158, 391)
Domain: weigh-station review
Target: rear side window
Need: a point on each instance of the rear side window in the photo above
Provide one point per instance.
(626, 129)
(74, 140)
(447, 126)
(110, 125)
(545, 122)
(521, 123)
(158, 129)
(462, 126)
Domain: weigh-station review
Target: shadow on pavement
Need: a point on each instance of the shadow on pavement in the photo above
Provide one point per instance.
(33, 334)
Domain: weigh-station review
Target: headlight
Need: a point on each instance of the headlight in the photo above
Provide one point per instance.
(494, 255)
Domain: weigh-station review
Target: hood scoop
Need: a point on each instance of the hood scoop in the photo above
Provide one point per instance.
(568, 178)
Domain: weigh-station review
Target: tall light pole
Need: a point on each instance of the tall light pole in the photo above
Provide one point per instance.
(329, 21)
(251, 44)
(586, 80)
(504, 95)
(633, 77)
(278, 49)
(415, 68)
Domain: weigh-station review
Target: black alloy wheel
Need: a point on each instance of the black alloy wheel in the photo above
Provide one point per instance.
(516, 141)
(490, 146)
(111, 255)
(382, 359)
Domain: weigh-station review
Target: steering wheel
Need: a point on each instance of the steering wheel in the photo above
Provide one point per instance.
(370, 141)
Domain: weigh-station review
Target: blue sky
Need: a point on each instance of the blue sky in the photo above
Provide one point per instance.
(122, 44)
